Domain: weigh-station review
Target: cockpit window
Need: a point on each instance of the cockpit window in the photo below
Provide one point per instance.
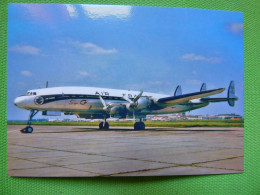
(31, 93)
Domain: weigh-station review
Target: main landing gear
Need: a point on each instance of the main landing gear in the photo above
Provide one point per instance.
(139, 125)
(104, 125)
(29, 129)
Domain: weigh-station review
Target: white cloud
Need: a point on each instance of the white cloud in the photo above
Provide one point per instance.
(26, 73)
(193, 82)
(83, 74)
(195, 57)
(102, 11)
(26, 49)
(71, 10)
(236, 27)
(91, 48)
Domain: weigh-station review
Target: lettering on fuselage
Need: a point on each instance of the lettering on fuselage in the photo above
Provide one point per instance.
(103, 93)
(129, 95)
(73, 102)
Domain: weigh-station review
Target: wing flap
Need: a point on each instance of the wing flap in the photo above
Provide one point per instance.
(173, 100)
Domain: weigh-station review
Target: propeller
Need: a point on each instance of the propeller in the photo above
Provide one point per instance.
(47, 84)
(132, 104)
(106, 107)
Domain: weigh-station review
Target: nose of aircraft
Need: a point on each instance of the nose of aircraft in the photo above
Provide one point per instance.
(18, 102)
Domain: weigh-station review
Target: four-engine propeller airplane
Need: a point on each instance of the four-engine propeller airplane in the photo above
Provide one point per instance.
(100, 103)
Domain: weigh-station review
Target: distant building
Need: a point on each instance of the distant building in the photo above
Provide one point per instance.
(183, 116)
(231, 116)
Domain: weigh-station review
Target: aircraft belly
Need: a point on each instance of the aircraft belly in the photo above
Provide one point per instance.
(179, 108)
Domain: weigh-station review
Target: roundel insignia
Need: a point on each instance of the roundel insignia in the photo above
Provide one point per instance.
(83, 102)
(39, 100)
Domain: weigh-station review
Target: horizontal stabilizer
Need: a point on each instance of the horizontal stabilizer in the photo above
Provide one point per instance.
(214, 99)
(172, 100)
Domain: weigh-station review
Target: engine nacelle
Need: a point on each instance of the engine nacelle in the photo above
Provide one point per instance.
(143, 103)
(118, 111)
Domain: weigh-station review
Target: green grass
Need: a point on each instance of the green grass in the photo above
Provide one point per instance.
(201, 123)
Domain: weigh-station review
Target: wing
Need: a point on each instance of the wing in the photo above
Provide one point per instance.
(173, 100)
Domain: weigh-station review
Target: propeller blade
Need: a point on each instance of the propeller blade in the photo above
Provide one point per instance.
(138, 96)
(127, 99)
(102, 101)
(47, 83)
(106, 107)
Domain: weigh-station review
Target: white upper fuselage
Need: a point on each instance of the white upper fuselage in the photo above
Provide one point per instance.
(92, 91)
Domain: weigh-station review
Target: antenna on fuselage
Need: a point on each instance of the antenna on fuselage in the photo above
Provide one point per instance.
(47, 83)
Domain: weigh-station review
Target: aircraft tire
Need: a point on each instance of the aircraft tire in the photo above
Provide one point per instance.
(29, 129)
(139, 126)
(102, 126)
(106, 126)
(142, 126)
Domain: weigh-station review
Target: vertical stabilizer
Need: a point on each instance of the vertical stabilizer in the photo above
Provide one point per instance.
(178, 91)
(231, 94)
(203, 87)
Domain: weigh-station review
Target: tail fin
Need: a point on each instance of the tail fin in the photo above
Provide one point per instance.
(203, 87)
(178, 91)
(231, 94)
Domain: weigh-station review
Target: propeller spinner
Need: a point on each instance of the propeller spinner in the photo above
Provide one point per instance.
(132, 104)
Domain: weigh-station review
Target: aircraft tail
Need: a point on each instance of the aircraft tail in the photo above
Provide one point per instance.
(231, 97)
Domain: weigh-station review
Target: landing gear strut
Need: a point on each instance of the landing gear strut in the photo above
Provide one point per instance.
(104, 125)
(29, 129)
(139, 125)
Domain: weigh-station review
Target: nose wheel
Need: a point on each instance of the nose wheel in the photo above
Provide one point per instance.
(27, 129)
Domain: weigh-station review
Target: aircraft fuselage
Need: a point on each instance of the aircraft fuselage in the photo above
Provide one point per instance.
(85, 100)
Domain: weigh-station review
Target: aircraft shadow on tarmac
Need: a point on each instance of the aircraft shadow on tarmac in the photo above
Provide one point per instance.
(85, 130)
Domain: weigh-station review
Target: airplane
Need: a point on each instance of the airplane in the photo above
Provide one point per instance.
(101, 103)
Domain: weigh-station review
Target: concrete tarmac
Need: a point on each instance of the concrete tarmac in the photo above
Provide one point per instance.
(79, 151)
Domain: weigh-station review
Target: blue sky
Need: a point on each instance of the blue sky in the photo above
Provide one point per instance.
(124, 47)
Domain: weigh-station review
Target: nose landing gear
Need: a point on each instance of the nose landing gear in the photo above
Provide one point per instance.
(29, 129)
